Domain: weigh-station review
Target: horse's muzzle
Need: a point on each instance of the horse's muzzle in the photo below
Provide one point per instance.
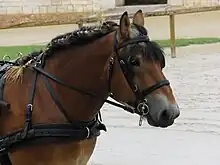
(161, 113)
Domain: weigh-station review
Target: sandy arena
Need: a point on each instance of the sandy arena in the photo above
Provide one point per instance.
(195, 77)
(193, 140)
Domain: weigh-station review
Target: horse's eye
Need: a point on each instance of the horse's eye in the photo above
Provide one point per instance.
(134, 61)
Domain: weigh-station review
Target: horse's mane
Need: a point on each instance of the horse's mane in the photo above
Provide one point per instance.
(79, 37)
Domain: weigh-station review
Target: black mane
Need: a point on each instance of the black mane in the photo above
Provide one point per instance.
(86, 35)
(81, 36)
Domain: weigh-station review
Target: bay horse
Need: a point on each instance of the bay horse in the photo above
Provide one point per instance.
(50, 105)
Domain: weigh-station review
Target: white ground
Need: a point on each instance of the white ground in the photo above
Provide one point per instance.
(195, 77)
(195, 137)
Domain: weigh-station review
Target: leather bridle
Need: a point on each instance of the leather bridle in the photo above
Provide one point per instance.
(141, 107)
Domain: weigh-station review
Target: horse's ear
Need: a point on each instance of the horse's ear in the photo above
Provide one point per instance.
(138, 18)
(124, 25)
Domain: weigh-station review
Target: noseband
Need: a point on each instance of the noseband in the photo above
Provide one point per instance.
(141, 102)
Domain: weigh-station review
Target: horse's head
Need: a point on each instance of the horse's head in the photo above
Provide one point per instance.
(137, 78)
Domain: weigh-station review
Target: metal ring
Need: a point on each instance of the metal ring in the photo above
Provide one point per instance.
(37, 63)
(20, 55)
(135, 88)
(31, 106)
(139, 108)
(148, 110)
(122, 62)
(5, 57)
(2, 149)
(88, 132)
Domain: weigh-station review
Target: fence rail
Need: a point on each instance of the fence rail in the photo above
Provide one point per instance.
(161, 10)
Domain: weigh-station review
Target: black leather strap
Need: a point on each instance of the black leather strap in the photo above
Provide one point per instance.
(57, 80)
(155, 87)
(5, 160)
(134, 41)
(55, 98)
(67, 131)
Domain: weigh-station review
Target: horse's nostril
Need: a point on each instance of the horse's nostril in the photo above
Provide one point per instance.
(165, 115)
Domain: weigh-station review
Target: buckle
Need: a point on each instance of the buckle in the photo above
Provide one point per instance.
(143, 109)
(88, 132)
(2, 149)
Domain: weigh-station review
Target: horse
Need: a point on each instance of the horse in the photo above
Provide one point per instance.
(54, 98)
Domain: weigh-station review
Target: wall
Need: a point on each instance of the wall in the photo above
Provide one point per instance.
(175, 2)
(48, 6)
(120, 2)
(201, 2)
(107, 4)
(51, 6)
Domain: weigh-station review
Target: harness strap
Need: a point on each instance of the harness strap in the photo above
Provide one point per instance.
(134, 41)
(5, 160)
(29, 107)
(57, 80)
(53, 77)
(67, 131)
(111, 69)
(55, 98)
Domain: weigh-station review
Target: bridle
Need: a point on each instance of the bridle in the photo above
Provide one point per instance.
(76, 130)
(141, 102)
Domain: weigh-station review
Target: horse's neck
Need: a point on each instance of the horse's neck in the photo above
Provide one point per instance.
(84, 68)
